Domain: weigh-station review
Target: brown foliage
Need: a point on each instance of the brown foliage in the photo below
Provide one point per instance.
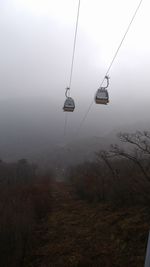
(120, 175)
(24, 199)
(79, 234)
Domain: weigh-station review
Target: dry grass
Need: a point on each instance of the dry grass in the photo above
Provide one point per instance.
(81, 234)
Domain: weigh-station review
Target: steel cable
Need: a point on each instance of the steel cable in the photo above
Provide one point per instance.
(112, 61)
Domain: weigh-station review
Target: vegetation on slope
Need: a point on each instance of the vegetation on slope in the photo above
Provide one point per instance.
(98, 217)
(81, 234)
(24, 200)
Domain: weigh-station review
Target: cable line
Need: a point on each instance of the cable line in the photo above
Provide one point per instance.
(74, 44)
(69, 104)
(113, 59)
(124, 36)
(65, 125)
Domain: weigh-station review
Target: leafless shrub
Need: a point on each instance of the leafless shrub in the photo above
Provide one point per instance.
(120, 175)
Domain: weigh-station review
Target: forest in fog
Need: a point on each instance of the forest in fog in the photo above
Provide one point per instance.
(116, 182)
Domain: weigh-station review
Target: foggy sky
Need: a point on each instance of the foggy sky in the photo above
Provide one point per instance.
(36, 49)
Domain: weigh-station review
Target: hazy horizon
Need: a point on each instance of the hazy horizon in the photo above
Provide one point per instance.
(36, 50)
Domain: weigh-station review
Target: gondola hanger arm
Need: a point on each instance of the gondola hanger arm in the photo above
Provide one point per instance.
(107, 78)
(66, 93)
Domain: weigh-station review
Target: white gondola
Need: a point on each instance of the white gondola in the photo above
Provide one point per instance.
(102, 96)
(69, 104)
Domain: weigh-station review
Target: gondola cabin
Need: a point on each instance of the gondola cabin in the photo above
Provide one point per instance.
(102, 96)
(69, 105)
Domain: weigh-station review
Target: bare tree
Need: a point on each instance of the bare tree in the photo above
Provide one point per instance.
(138, 150)
(105, 157)
(139, 140)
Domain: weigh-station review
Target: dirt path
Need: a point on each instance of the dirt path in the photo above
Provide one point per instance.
(82, 234)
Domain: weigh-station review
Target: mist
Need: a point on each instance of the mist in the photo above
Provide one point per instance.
(36, 50)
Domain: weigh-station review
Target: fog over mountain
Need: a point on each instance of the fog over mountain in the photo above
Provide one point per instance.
(29, 130)
(36, 49)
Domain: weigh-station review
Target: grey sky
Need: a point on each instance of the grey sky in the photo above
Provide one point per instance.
(36, 49)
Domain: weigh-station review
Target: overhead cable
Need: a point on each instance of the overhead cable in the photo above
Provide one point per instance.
(72, 60)
(74, 45)
(112, 61)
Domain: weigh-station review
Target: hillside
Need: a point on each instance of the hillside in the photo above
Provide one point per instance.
(81, 234)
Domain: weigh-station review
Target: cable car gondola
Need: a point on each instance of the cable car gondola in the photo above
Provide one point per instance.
(102, 96)
(69, 104)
